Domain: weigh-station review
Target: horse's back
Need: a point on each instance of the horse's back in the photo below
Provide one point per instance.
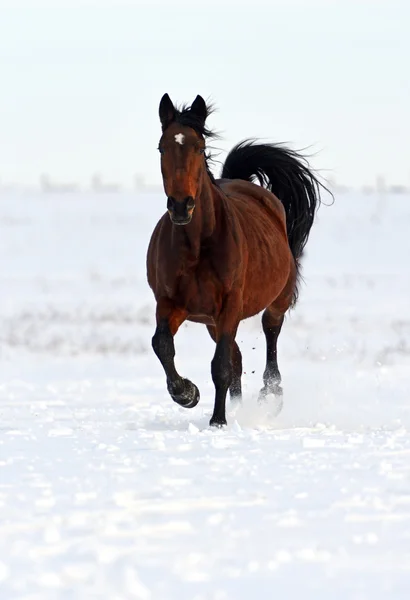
(254, 199)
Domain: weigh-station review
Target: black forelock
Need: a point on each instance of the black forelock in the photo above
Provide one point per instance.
(184, 116)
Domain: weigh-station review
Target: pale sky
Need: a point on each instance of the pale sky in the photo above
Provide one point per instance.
(81, 82)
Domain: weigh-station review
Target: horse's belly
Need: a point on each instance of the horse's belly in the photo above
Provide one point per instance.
(265, 280)
(203, 319)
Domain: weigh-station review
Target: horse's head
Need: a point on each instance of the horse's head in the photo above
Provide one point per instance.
(182, 148)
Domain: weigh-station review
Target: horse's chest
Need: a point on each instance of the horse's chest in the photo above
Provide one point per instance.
(199, 291)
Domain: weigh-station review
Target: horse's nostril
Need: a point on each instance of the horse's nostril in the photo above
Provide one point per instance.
(170, 203)
(190, 202)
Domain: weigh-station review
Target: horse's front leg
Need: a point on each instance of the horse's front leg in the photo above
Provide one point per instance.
(169, 319)
(221, 366)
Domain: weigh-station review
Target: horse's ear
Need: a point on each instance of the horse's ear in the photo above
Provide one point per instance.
(166, 111)
(199, 109)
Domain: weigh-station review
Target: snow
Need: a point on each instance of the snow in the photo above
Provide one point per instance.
(110, 490)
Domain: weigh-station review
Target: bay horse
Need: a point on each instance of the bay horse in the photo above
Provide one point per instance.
(226, 248)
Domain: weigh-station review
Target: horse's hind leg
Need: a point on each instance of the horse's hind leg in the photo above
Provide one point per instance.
(169, 319)
(272, 321)
(235, 389)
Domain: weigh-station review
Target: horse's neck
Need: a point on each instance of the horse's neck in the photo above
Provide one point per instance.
(203, 222)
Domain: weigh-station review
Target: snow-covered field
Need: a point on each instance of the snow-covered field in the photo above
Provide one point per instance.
(110, 491)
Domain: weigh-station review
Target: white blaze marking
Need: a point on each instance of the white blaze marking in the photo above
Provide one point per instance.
(180, 138)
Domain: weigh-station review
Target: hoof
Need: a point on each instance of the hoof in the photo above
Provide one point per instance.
(217, 422)
(270, 390)
(236, 399)
(184, 392)
(272, 395)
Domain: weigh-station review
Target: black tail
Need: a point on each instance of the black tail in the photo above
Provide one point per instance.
(287, 175)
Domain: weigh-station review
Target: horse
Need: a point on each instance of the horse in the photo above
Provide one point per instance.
(226, 249)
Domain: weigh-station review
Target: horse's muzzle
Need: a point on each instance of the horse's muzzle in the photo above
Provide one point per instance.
(181, 211)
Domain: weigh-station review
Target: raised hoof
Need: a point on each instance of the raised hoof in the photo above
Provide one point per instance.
(184, 392)
(218, 423)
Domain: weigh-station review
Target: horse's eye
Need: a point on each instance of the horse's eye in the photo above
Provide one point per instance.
(201, 150)
(161, 150)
